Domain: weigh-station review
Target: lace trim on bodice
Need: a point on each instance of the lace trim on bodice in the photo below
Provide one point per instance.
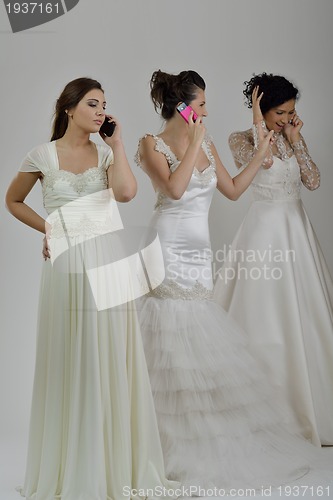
(84, 227)
(79, 182)
(172, 290)
(205, 176)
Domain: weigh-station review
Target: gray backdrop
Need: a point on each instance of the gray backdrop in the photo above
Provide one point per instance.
(120, 43)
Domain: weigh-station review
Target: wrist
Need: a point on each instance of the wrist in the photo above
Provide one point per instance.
(259, 122)
(295, 140)
(116, 143)
(195, 145)
(47, 228)
(255, 132)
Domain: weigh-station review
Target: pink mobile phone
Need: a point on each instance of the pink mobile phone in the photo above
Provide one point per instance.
(185, 110)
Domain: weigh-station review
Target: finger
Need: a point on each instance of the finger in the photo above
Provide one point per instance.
(270, 135)
(190, 118)
(296, 121)
(260, 97)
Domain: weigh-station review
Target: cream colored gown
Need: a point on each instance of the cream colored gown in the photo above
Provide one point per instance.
(276, 284)
(93, 428)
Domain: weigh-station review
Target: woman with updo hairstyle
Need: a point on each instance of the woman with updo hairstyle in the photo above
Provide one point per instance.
(220, 425)
(283, 295)
(93, 429)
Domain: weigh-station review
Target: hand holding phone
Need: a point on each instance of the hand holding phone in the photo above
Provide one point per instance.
(108, 127)
(185, 110)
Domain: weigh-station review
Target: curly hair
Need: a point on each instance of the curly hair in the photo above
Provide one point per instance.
(167, 90)
(277, 90)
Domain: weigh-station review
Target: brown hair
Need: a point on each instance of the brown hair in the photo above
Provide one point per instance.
(168, 90)
(72, 94)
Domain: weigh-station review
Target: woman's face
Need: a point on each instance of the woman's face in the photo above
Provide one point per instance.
(277, 118)
(89, 113)
(199, 104)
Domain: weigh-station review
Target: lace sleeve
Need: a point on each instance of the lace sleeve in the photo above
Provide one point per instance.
(310, 174)
(243, 148)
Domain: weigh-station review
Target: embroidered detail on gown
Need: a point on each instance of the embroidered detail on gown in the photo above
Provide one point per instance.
(220, 424)
(93, 426)
(287, 313)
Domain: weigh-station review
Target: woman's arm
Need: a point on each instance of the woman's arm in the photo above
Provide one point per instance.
(310, 174)
(233, 187)
(17, 192)
(154, 163)
(120, 176)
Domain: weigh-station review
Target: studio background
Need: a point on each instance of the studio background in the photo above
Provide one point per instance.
(120, 43)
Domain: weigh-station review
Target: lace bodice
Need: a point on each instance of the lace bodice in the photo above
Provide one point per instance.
(243, 144)
(70, 194)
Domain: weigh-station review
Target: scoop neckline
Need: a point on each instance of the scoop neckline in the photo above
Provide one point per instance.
(69, 171)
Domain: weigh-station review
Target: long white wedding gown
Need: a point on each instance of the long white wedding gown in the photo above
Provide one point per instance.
(275, 283)
(93, 428)
(220, 425)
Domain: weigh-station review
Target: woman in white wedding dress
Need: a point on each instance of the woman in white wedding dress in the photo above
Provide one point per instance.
(93, 429)
(220, 425)
(275, 281)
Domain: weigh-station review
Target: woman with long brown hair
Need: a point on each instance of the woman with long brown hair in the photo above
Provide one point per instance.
(93, 430)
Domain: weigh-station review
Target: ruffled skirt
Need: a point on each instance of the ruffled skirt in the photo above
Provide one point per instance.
(220, 423)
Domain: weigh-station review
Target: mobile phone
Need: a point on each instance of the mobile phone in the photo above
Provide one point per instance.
(185, 110)
(108, 127)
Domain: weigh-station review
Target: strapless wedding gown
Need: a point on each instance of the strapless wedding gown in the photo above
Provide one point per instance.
(220, 424)
(93, 428)
(275, 283)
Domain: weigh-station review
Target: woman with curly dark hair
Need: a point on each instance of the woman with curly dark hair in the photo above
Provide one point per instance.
(275, 281)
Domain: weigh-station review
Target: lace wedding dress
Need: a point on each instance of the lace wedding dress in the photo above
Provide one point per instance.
(275, 283)
(93, 428)
(220, 425)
